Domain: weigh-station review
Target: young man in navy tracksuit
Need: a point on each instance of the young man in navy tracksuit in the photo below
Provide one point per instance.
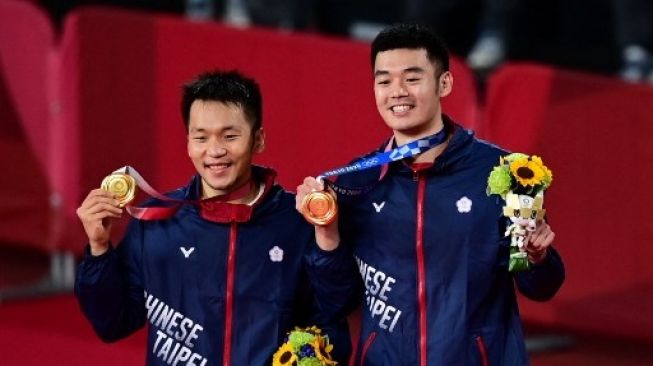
(221, 280)
(429, 242)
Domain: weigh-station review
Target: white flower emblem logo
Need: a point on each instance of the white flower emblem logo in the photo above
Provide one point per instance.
(276, 254)
(464, 205)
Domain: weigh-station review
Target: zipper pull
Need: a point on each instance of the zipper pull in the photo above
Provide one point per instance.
(417, 169)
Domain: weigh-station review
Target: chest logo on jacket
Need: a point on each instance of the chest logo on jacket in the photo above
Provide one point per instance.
(464, 205)
(187, 252)
(378, 206)
(276, 254)
(378, 287)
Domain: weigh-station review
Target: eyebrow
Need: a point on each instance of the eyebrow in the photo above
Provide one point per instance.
(381, 73)
(223, 129)
(415, 69)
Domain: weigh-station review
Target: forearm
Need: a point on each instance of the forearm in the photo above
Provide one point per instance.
(114, 308)
(327, 237)
(335, 280)
(543, 280)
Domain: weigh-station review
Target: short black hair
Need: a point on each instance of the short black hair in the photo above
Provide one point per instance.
(412, 36)
(226, 87)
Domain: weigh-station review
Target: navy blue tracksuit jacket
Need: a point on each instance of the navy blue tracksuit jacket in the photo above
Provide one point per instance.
(219, 293)
(432, 254)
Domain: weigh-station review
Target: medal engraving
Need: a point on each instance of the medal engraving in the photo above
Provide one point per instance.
(319, 208)
(123, 186)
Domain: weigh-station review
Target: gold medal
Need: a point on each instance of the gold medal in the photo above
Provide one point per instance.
(123, 186)
(319, 208)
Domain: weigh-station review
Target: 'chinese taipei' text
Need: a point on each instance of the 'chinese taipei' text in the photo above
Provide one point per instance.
(175, 336)
(378, 286)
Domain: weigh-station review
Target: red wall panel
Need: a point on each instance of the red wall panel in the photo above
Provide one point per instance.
(26, 46)
(594, 133)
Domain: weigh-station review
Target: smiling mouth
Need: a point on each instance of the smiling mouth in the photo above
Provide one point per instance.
(401, 108)
(217, 166)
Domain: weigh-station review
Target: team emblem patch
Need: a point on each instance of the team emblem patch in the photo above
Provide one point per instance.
(464, 204)
(276, 254)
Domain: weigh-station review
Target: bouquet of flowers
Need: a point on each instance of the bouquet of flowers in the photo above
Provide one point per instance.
(304, 347)
(521, 181)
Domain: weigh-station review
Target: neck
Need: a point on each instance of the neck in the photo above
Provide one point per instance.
(429, 156)
(244, 193)
(403, 137)
(406, 136)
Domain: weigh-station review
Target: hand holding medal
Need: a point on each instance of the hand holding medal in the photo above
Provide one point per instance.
(318, 206)
(103, 205)
(122, 185)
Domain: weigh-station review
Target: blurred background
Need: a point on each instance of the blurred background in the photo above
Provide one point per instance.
(89, 86)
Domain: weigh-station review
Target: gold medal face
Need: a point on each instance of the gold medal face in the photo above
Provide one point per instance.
(319, 208)
(123, 186)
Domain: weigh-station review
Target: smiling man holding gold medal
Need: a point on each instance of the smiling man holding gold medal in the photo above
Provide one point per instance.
(221, 268)
(428, 240)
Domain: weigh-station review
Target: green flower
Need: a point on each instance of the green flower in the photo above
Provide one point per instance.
(298, 338)
(309, 361)
(499, 181)
(515, 156)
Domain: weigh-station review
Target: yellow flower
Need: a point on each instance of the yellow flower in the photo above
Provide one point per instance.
(527, 172)
(323, 350)
(284, 356)
(548, 175)
(537, 160)
(313, 329)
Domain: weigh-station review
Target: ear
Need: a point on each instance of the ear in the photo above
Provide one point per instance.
(259, 141)
(445, 84)
(188, 144)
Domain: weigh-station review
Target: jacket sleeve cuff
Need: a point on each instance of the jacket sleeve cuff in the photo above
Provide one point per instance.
(90, 258)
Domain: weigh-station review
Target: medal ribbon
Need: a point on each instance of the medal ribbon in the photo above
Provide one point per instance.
(407, 150)
(214, 209)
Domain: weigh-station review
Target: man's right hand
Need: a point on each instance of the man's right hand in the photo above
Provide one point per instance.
(327, 237)
(96, 214)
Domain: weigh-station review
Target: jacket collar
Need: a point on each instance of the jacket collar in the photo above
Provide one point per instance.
(215, 210)
(457, 149)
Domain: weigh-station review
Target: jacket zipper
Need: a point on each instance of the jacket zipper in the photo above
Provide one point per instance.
(229, 301)
(421, 272)
(366, 347)
(481, 349)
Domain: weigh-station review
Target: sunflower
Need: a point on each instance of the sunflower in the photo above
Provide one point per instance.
(548, 176)
(313, 330)
(284, 356)
(323, 350)
(527, 172)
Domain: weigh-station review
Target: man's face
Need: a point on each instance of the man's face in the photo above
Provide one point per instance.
(221, 145)
(408, 92)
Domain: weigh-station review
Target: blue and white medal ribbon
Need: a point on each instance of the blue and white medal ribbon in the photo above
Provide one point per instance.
(320, 208)
(405, 151)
